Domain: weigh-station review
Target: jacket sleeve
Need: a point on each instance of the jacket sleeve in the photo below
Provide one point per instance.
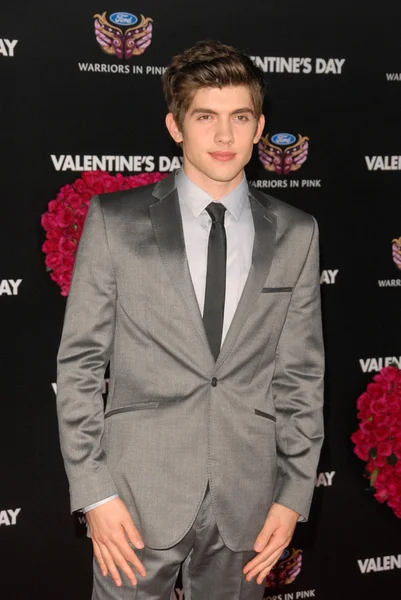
(83, 355)
(298, 389)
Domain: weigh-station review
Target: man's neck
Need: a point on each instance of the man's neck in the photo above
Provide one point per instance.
(216, 189)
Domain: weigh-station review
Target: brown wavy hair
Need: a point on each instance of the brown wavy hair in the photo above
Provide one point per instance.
(209, 64)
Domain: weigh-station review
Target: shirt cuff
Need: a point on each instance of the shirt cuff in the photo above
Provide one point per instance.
(96, 504)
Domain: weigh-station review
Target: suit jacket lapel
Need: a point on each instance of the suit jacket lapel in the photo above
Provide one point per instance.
(262, 255)
(167, 226)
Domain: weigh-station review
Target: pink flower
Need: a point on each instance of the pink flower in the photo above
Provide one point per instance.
(362, 451)
(381, 433)
(68, 261)
(380, 460)
(381, 495)
(358, 437)
(53, 259)
(378, 439)
(48, 221)
(50, 246)
(384, 449)
(54, 205)
(379, 406)
(74, 201)
(66, 215)
(67, 246)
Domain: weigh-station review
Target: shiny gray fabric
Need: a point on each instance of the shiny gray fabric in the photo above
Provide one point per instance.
(210, 571)
(250, 423)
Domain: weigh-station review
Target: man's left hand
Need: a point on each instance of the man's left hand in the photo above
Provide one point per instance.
(272, 540)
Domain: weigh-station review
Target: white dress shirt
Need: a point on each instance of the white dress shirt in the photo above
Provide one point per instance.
(240, 233)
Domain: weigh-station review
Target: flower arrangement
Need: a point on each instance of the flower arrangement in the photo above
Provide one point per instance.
(378, 438)
(64, 220)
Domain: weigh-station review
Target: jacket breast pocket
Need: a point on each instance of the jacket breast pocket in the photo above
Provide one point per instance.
(276, 290)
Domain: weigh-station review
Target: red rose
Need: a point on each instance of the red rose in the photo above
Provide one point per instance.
(358, 437)
(67, 246)
(381, 495)
(379, 406)
(381, 433)
(80, 187)
(64, 217)
(384, 449)
(362, 451)
(367, 427)
(380, 460)
(382, 420)
(86, 197)
(74, 200)
(53, 259)
(68, 261)
(48, 221)
(50, 246)
(393, 404)
(66, 277)
(363, 401)
(388, 375)
(375, 390)
(98, 187)
(54, 205)
(54, 233)
(89, 178)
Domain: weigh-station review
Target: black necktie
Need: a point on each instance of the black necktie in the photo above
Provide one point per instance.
(215, 291)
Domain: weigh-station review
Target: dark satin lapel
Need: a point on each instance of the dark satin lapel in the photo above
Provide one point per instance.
(262, 255)
(167, 226)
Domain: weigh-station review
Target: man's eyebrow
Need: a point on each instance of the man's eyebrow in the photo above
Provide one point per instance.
(246, 109)
(208, 111)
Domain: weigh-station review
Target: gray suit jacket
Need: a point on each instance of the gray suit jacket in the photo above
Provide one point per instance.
(250, 424)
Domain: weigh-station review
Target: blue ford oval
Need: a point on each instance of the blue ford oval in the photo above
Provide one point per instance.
(283, 139)
(123, 18)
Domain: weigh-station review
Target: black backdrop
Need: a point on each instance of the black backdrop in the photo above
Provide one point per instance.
(50, 106)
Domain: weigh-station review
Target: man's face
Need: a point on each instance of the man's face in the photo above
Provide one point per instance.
(218, 132)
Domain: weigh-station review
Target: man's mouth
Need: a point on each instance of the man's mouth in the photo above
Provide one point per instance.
(223, 156)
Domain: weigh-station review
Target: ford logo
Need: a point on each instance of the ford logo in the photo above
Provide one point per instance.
(283, 139)
(123, 18)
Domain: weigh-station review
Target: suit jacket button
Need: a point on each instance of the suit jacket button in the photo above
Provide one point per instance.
(214, 381)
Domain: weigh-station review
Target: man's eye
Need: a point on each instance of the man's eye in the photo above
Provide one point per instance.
(204, 118)
(242, 118)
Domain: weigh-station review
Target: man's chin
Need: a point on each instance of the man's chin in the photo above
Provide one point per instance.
(223, 174)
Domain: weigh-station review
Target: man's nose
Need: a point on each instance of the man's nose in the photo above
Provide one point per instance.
(224, 132)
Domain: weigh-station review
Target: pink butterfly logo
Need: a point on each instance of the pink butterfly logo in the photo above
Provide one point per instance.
(396, 247)
(123, 43)
(283, 160)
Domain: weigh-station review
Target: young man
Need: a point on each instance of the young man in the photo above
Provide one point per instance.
(204, 295)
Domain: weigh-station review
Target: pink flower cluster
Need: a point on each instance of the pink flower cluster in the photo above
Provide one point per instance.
(66, 214)
(378, 438)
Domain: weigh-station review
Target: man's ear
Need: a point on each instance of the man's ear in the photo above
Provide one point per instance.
(259, 129)
(173, 128)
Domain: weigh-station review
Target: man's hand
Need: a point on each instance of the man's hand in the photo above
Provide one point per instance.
(271, 541)
(110, 525)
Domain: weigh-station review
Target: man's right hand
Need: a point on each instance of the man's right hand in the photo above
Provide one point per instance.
(110, 525)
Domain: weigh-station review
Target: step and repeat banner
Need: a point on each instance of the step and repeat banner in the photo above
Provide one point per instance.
(81, 92)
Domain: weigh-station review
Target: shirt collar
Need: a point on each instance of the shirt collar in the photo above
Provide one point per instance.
(197, 199)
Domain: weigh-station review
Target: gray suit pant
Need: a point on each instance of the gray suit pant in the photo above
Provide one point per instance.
(210, 570)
